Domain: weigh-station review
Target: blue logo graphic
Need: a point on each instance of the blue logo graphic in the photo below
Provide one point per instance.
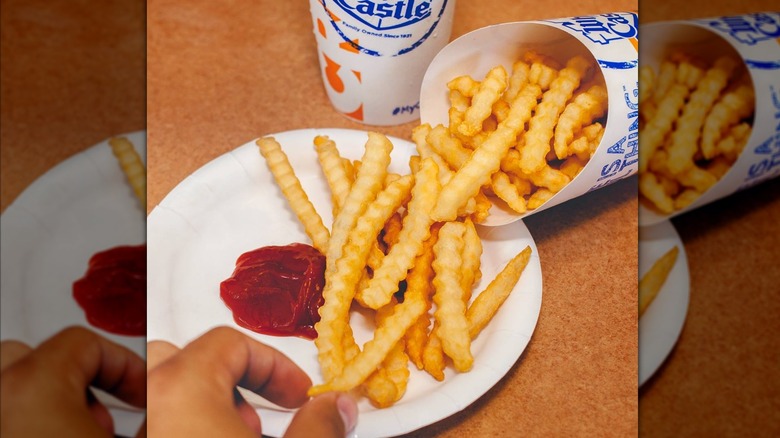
(604, 28)
(763, 65)
(382, 15)
(618, 65)
(749, 29)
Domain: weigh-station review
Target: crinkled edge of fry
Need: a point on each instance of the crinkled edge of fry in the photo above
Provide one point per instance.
(653, 280)
(291, 188)
(132, 166)
(415, 230)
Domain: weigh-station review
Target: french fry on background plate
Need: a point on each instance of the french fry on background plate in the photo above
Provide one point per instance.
(654, 279)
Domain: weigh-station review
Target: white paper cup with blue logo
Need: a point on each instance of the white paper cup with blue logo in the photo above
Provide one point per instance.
(373, 54)
(610, 40)
(753, 39)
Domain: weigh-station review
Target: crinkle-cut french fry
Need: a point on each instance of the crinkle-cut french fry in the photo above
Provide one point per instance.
(465, 85)
(450, 310)
(349, 170)
(581, 111)
(658, 127)
(666, 78)
(697, 178)
(732, 144)
(374, 351)
(549, 178)
(488, 93)
(380, 389)
(658, 164)
(594, 132)
(291, 188)
(459, 103)
(487, 303)
(472, 253)
(572, 166)
(671, 186)
(719, 166)
(541, 72)
(511, 162)
(734, 106)
(524, 186)
(375, 256)
(482, 210)
(647, 111)
(419, 282)
(449, 147)
(131, 165)
(415, 230)
(500, 111)
(419, 137)
(540, 126)
(504, 189)
(392, 229)
(340, 284)
(650, 284)
(369, 181)
(388, 383)
(684, 142)
(486, 159)
(517, 81)
(688, 74)
(686, 198)
(332, 166)
(433, 355)
(539, 197)
(655, 193)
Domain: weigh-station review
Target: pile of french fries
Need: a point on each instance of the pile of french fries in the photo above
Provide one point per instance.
(519, 136)
(383, 234)
(695, 119)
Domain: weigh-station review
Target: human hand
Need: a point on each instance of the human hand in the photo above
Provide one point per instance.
(45, 391)
(192, 391)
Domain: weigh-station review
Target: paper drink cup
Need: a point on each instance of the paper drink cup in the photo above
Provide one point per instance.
(608, 39)
(754, 39)
(373, 54)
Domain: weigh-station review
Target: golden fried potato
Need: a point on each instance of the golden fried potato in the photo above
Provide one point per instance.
(650, 284)
(291, 188)
(132, 166)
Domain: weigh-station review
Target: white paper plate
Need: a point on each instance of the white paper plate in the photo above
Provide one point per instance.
(79, 207)
(662, 322)
(231, 205)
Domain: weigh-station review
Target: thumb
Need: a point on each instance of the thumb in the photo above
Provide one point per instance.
(331, 415)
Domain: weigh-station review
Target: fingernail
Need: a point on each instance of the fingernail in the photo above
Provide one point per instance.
(348, 410)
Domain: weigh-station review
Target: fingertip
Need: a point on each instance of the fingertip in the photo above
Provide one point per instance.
(331, 414)
(348, 410)
(158, 352)
(11, 351)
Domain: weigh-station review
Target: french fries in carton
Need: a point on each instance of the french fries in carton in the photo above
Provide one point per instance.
(532, 114)
(709, 111)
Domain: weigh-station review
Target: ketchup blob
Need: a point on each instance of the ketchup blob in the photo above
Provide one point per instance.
(277, 290)
(113, 290)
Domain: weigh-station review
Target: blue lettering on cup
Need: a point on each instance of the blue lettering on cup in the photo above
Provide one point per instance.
(603, 28)
(382, 16)
(748, 29)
